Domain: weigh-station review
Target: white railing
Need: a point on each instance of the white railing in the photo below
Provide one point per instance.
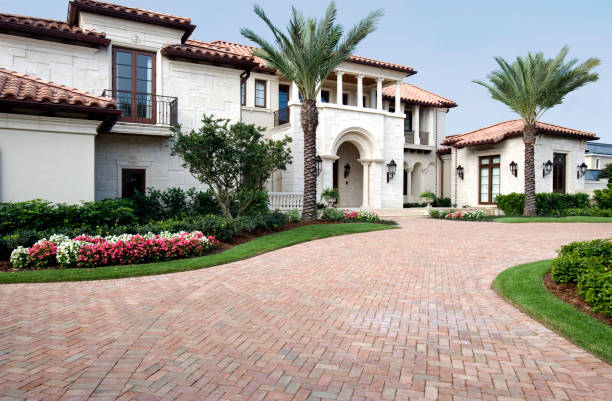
(285, 200)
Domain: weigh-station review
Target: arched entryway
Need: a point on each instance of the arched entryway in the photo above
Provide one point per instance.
(348, 175)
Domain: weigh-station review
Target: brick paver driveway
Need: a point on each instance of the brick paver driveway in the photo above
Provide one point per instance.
(400, 314)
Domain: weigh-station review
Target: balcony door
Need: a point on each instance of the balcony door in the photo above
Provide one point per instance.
(283, 102)
(134, 84)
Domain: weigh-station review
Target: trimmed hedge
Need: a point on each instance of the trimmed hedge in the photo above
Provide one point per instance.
(547, 204)
(589, 264)
(594, 211)
(603, 197)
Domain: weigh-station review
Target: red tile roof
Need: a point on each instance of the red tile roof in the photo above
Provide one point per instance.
(27, 92)
(507, 129)
(50, 28)
(198, 50)
(415, 95)
(248, 50)
(130, 13)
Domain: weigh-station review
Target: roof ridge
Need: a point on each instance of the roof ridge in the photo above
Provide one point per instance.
(133, 8)
(563, 128)
(425, 90)
(483, 128)
(52, 20)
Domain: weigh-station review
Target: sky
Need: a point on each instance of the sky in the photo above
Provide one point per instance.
(450, 43)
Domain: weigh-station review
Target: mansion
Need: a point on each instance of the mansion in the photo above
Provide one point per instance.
(86, 105)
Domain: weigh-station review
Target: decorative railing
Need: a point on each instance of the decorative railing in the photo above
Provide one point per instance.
(281, 116)
(409, 137)
(145, 108)
(285, 200)
(424, 137)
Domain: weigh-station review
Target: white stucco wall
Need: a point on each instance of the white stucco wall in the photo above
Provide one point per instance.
(513, 150)
(46, 157)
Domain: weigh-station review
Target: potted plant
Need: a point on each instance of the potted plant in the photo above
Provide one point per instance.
(428, 197)
(330, 195)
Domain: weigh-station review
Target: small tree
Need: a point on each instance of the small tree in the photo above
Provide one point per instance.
(234, 161)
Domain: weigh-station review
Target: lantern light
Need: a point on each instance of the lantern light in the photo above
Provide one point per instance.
(514, 168)
(318, 164)
(347, 170)
(460, 171)
(392, 167)
(582, 168)
(547, 168)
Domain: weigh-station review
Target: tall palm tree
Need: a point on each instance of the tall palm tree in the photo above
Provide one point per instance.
(530, 86)
(306, 55)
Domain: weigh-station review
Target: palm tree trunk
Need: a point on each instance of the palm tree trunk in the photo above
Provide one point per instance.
(310, 121)
(529, 133)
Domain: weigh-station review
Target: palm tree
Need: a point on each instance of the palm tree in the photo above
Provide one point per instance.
(307, 54)
(530, 86)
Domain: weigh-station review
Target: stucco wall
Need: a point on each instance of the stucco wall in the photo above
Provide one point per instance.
(513, 150)
(46, 157)
(115, 151)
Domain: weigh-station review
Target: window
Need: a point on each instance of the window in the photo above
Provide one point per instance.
(243, 93)
(489, 179)
(559, 172)
(132, 180)
(345, 99)
(408, 120)
(597, 164)
(364, 98)
(324, 96)
(134, 84)
(283, 101)
(391, 107)
(405, 182)
(260, 93)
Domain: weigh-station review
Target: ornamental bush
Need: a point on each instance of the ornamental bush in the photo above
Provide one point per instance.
(547, 204)
(594, 211)
(589, 264)
(603, 197)
(332, 214)
(471, 215)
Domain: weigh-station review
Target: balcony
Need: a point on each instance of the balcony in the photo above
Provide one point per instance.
(281, 116)
(423, 138)
(409, 137)
(145, 108)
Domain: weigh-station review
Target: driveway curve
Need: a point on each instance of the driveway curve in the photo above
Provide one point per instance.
(403, 314)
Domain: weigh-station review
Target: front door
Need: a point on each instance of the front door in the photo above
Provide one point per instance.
(559, 170)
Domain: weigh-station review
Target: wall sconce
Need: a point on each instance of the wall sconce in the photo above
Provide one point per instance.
(391, 167)
(513, 168)
(547, 168)
(460, 171)
(582, 168)
(347, 170)
(318, 164)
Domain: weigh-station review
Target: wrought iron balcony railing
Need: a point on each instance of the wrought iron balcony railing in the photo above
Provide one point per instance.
(146, 108)
(281, 116)
(424, 137)
(409, 137)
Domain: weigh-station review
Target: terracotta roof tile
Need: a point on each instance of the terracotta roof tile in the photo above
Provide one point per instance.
(50, 28)
(507, 129)
(413, 94)
(28, 89)
(131, 13)
(205, 51)
(248, 50)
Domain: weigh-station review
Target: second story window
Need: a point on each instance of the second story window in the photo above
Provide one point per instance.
(243, 93)
(260, 93)
(408, 121)
(324, 96)
(134, 84)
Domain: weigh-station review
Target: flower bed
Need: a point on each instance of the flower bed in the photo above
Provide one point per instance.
(88, 251)
(468, 214)
(361, 215)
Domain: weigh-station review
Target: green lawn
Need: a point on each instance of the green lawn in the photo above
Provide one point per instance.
(568, 219)
(255, 247)
(522, 285)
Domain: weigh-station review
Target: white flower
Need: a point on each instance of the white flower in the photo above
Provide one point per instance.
(20, 257)
(68, 251)
(58, 238)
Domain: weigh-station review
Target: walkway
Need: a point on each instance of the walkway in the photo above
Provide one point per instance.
(401, 314)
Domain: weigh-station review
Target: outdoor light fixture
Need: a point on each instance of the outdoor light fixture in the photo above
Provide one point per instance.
(460, 171)
(547, 168)
(392, 166)
(318, 164)
(582, 168)
(513, 168)
(347, 170)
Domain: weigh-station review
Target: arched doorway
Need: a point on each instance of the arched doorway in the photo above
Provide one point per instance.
(348, 173)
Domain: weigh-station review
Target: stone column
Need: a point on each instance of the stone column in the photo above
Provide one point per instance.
(398, 95)
(360, 90)
(416, 124)
(365, 203)
(409, 184)
(430, 125)
(379, 94)
(339, 75)
(295, 93)
(319, 97)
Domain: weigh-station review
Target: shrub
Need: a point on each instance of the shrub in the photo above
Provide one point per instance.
(414, 204)
(441, 202)
(332, 214)
(595, 211)
(547, 204)
(471, 215)
(603, 197)
(294, 216)
(20, 257)
(43, 253)
(174, 203)
(595, 285)
(574, 259)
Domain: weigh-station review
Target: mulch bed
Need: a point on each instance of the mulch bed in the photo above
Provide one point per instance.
(568, 294)
(5, 265)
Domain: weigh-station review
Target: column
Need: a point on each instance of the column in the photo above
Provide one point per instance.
(416, 123)
(373, 98)
(366, 185)
(360, 90)
(339, 75)
(295, 93)
(430, 125)
(379, 94)
(398, 95)
(409, 184)
(319, 97)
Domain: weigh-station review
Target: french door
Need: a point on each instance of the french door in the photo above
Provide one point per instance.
(134, 84)
(488, 179)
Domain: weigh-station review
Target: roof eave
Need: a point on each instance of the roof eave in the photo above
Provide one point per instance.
(76, 38)
(171, 52)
